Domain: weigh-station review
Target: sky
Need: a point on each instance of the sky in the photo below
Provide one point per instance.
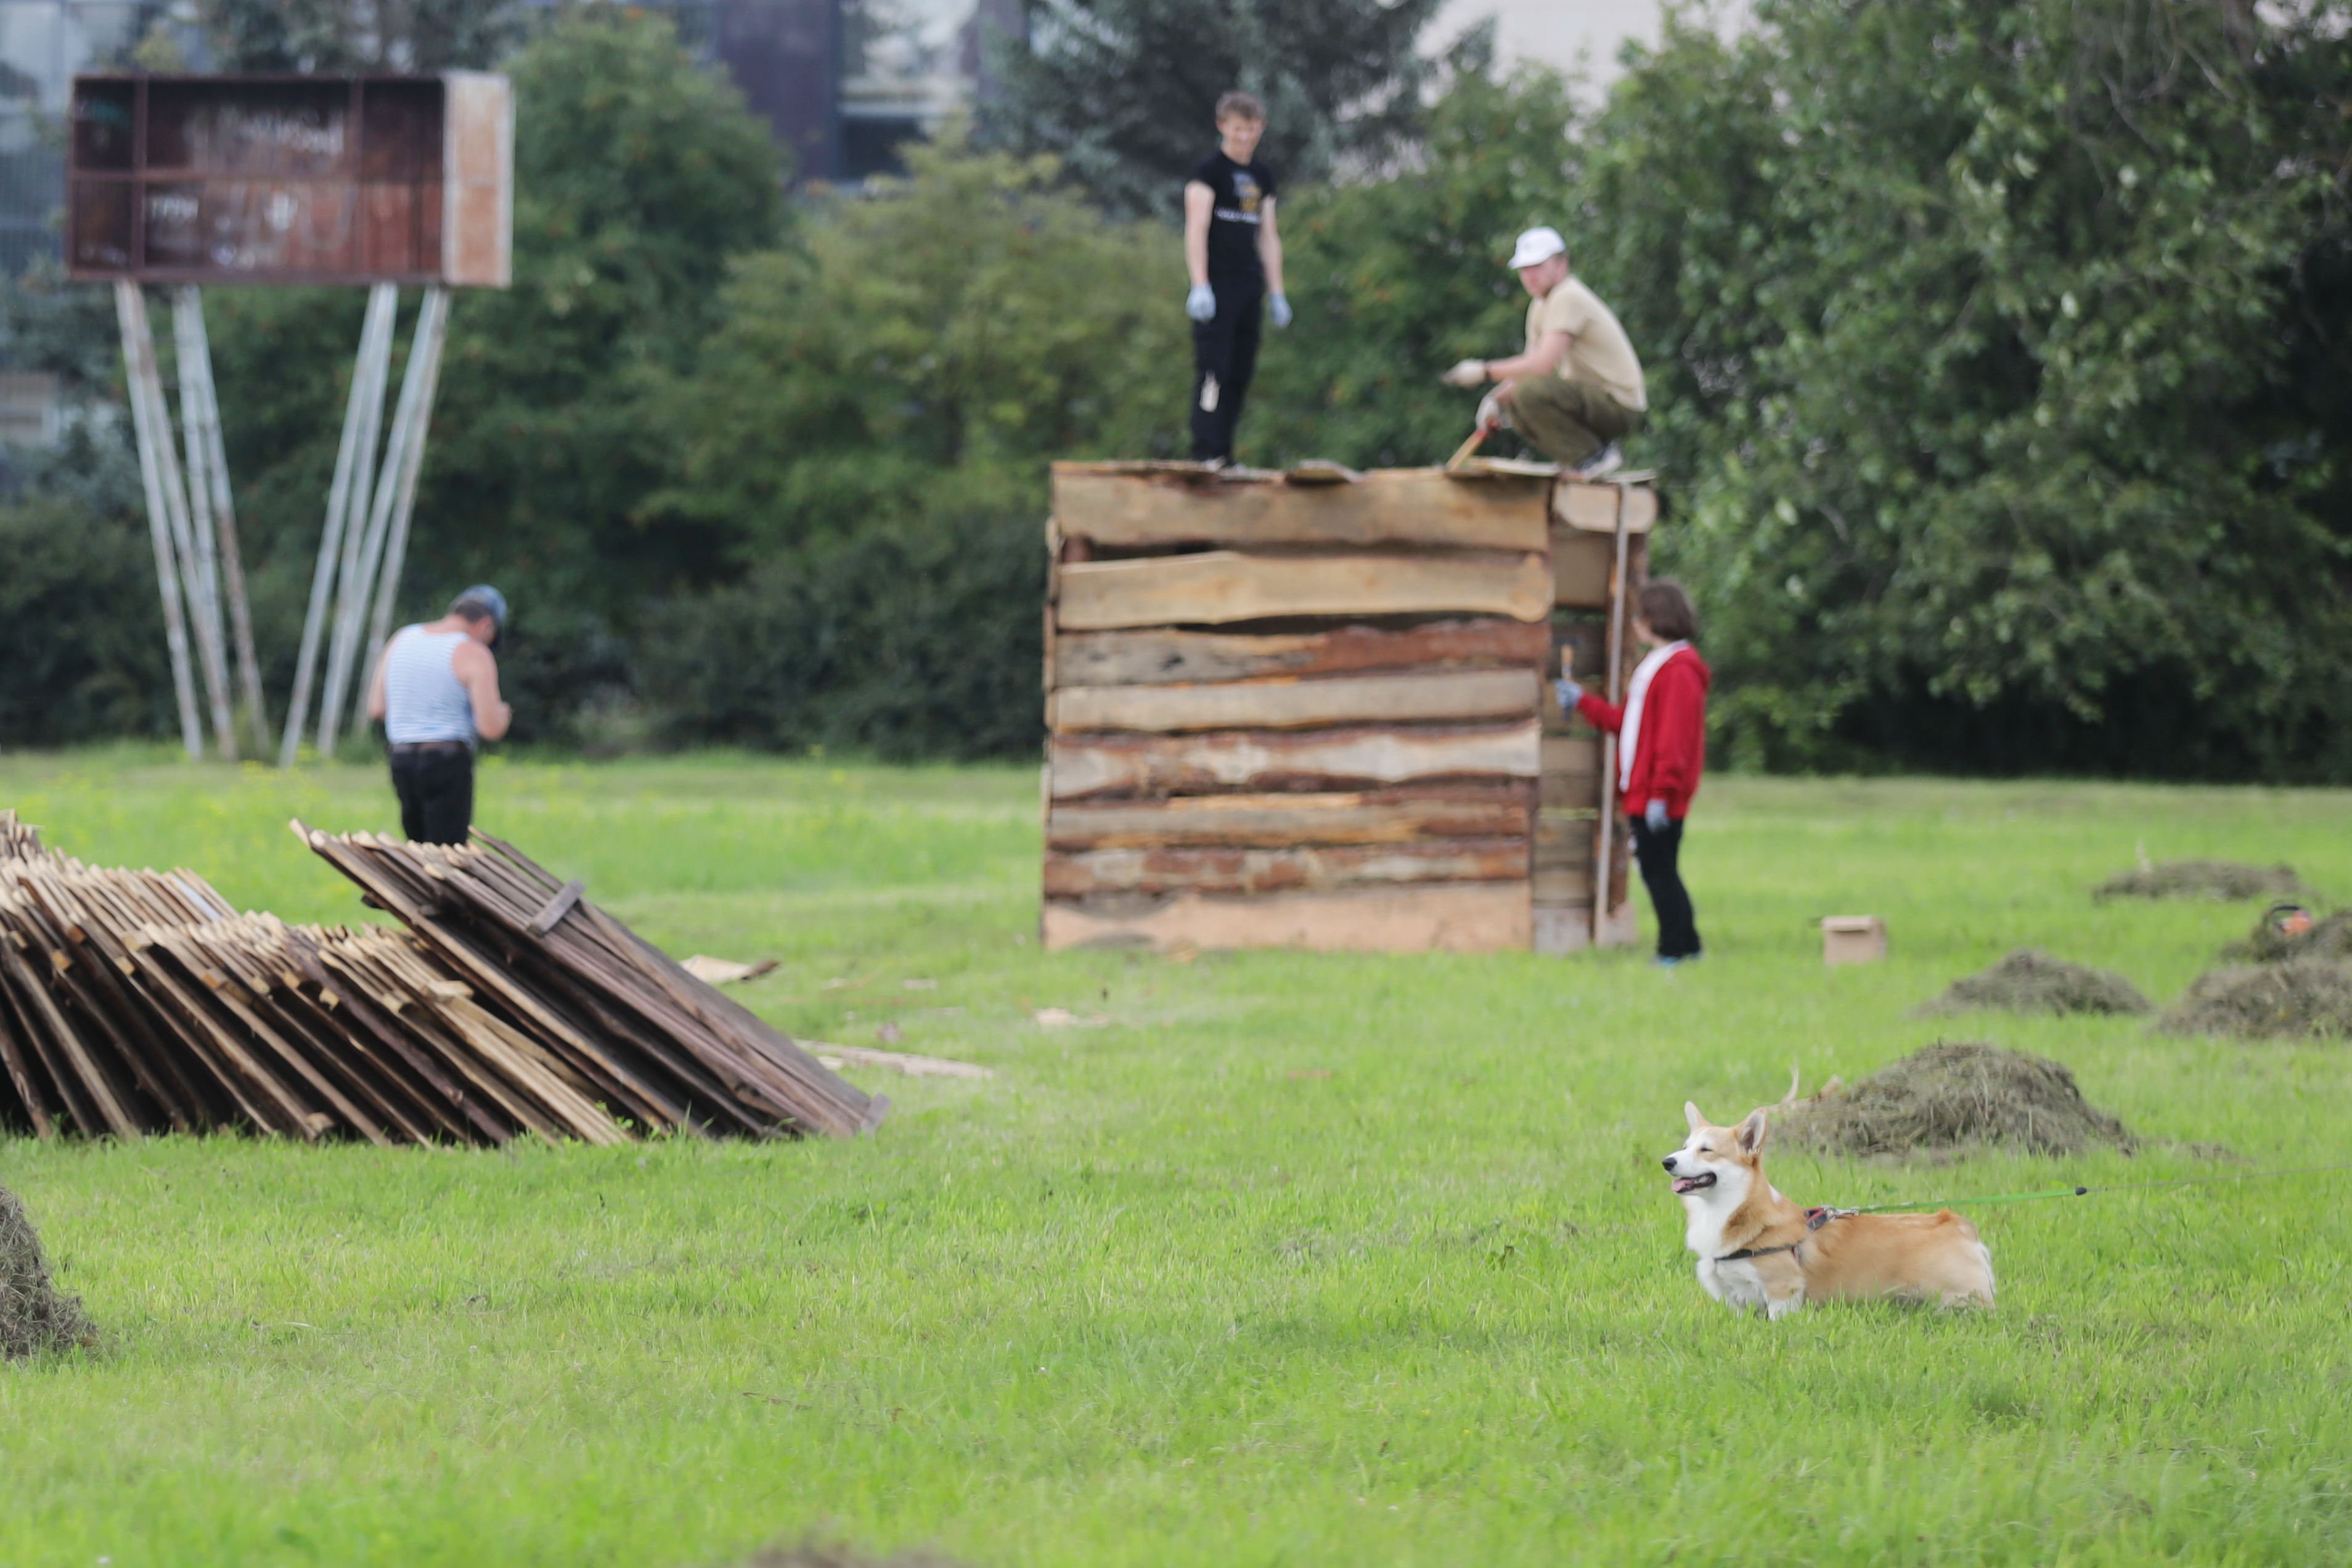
(1552, 31)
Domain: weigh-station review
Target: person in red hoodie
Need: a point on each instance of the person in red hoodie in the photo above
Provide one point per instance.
(1661, 750)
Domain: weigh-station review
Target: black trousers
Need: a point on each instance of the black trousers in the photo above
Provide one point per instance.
(436, 793)
(1659, 853)
(1224, 357)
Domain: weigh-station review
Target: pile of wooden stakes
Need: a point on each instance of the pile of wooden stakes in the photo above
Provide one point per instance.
(139, 1001)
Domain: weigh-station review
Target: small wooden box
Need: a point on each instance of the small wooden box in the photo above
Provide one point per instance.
(1853, 938)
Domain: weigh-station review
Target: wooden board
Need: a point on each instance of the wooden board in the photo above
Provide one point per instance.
(1571, 771)
(1220, 586)
(1162, 658)
(1592, 508)
(1391, 506)
(1582, 566)
(1476, 917)
(1247, 760)
(1320, 868)
(1278, 821)
(1457, 696)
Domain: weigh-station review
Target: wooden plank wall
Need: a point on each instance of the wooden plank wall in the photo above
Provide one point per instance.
(1314, 713)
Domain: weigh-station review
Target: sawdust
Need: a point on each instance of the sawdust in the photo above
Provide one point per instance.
(2223, 880)
(1952, 1096)
(2304, 997)
(34, 1315)
(2030, 981)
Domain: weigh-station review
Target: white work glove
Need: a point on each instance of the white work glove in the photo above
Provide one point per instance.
(1491, 417)
(1656, 816)
(1277, 306)
(1200, 304)
(1570, 693)
(1469, 372)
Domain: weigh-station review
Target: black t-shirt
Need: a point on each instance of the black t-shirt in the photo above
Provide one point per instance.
(1241, 192)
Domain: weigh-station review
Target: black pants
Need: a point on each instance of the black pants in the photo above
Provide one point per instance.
(1677, 921)
(1224, 357)
(436, 793)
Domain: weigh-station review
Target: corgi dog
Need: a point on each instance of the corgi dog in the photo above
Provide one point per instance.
(1758, 1251)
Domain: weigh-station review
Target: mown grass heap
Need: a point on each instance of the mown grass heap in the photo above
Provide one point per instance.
(139, 1002)
(2031, 981)
(1951, 1096)
(2225, 880)
(2304, 997)
(34, 1315)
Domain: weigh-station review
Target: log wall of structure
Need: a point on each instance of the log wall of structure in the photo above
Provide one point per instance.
(1315, 709)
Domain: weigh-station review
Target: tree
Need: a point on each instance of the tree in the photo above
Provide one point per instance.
(1125, 91)
(358, 35)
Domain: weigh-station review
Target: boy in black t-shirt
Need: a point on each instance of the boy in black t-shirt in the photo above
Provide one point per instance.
(1235, 255)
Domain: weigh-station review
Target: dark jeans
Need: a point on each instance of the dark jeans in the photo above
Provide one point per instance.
(1567, 421)
(1677, 921)
(437, 792)
(1224, 357)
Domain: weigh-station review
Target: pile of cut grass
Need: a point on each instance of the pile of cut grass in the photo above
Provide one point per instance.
(2031, 981)
(34, 1315)
(2306, 997)
(2272, 942)
(2226, 880)
(1956, 1095)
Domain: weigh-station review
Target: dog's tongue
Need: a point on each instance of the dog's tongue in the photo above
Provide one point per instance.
(1685, 1185)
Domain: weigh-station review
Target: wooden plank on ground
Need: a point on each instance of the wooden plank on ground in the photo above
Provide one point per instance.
(1322, 867)
(1455, 695)
(1475, 917)
(1404, 815)
(1164, 658)
(1247, 760)
(1592, 508)
(1390, 506)
(1220, 586)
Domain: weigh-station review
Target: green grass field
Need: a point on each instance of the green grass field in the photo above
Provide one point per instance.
(1290, 1260)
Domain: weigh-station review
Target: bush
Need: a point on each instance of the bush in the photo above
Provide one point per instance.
(81, 629)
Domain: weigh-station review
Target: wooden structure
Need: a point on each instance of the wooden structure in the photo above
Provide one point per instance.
(1315, 709)
(284, 179)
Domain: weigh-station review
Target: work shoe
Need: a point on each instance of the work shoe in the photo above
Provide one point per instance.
(1607, 460)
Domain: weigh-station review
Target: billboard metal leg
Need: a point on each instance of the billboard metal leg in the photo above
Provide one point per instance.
(396, 493)
(208, 490)
(139, 365)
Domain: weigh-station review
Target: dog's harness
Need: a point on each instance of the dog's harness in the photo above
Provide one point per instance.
(1814, 1219)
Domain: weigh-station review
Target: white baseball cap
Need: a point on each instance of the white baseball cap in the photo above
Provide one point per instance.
(1537, 245)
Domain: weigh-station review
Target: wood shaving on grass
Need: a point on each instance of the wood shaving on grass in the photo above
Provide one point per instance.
(1953, 1096)
(34, 1315)
(2031, 981)
(2225, 880)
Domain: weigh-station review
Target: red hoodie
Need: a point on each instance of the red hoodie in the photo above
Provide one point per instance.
(1670, 752)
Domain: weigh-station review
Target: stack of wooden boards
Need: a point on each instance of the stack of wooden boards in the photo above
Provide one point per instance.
(1311, 710)
(139, 1001)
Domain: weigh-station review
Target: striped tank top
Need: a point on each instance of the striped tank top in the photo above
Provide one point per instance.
(423, 697)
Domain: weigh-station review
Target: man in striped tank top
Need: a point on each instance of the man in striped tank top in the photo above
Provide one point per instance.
(436, 690)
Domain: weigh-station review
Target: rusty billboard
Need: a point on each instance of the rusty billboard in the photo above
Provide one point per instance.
(291, 179)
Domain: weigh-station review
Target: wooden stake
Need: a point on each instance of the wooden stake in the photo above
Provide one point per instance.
(397, 492)
(352, 588)
(208, 457)
(138, 363)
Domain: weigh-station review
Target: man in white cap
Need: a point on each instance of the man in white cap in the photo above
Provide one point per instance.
(436, 690)
(1577, 390)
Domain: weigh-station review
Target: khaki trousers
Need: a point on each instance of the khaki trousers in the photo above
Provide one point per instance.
(1567, 421)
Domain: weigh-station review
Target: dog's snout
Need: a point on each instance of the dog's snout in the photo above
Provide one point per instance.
(1669, 1161)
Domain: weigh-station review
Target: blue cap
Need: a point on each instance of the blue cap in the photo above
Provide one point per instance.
(489, 598)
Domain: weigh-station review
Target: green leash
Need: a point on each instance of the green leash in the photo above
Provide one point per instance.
(2085, 1192)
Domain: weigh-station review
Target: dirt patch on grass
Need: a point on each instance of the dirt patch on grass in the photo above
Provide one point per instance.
(2305, 997)
(2030, 981)
(2223, 880)
(34, 1315)
(1951, 1096)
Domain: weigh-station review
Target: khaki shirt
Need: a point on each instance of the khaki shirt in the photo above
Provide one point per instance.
(1599, 351)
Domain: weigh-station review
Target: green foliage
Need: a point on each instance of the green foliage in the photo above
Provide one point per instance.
(1125, 91)
(358, 35)
(946, 332)
(81, 633)
(1394, 279)
(919, 636)
(1974, 373)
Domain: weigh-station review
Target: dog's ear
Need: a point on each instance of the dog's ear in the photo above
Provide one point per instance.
(1691, 1115)
(1751, 1131)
